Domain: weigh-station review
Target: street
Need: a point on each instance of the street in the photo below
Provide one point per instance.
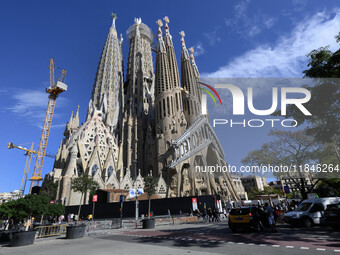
(199, 238)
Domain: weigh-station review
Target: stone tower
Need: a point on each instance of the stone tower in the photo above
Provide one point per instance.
(106, 93)
(170, 123)
(138, 116)
(149, 124)
(189, 78)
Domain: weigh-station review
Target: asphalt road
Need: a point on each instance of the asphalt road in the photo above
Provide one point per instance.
(213, 238)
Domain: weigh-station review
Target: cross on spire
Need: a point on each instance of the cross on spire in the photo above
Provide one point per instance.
(114, 17)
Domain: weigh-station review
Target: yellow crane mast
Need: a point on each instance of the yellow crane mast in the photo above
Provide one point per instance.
(29, 153)
(54, 90)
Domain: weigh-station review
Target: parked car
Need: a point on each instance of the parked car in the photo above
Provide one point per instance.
(247, 218)
(310, 212)
(332, 215)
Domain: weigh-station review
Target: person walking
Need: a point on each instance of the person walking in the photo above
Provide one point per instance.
(210, 215)
(271, 217)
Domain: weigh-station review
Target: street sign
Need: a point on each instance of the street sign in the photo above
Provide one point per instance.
(52, 202)
(194, 203)
(286, 189)
(94, 198)
(132, 193)
(140, 191)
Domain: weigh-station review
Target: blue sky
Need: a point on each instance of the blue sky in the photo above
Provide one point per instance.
(231, 38)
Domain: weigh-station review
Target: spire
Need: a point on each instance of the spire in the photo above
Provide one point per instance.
(194, 66)
(163, 79)
(167, 38)
(189, 83)
(114, 17)
(160, 45)
(76, 119)
(108, 80)
(71, 118)
(187, 73)
(184, 53)
(173, 67)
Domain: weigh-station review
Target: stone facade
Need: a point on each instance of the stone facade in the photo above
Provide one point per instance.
(149, 123)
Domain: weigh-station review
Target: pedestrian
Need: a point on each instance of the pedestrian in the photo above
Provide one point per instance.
(225, 213)
(271, 217)
(169, 213)
(216, 216)
(210, 215)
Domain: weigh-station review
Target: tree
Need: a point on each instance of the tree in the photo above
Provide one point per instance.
(267, 190)
(289, 150)
(324, 68)
(84, 184)
(49, 189)
(55, 210)
(150, 186)
(30, 206)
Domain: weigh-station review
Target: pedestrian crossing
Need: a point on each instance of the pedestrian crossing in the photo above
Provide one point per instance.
(213, 241)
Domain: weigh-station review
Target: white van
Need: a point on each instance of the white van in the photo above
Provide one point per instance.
(310, 211)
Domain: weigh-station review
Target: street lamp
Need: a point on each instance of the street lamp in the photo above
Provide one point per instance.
(137, 203)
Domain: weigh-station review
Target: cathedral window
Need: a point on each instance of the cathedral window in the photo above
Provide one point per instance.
(168, 105)
(172, 105)
(164, 112)
(94, 170)
(109, 171)
(79, 170)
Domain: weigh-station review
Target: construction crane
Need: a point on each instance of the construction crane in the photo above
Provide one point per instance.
(29, 153)
(54, 90)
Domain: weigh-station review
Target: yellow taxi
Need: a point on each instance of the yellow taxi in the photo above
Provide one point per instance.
(247, 218)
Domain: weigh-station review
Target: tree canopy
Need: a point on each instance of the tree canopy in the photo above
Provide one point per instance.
(84, 184)
(324, 68)
(290, 149)
(29, 206)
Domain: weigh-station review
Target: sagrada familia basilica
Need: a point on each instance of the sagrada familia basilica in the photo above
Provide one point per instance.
(146, 122)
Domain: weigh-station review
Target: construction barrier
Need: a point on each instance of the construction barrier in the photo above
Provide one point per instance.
(50, 230)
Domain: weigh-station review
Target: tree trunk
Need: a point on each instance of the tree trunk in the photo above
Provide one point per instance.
(81, 199)
(303, 189)
(149, 208)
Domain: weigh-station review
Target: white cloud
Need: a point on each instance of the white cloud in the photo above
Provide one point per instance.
(248, 23)
(199, 50)
(213, 37)
(26, 101)
(30, 105)
(287, 58)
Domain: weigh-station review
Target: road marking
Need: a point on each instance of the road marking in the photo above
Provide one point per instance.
(240, 243)
(230, 242)
(263, 244)
(304, 248)
(337, 250)
(320, 249)
(251, 244)
(290, 247)
(276, 245)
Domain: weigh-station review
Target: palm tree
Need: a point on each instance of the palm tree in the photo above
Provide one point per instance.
(83, 184)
